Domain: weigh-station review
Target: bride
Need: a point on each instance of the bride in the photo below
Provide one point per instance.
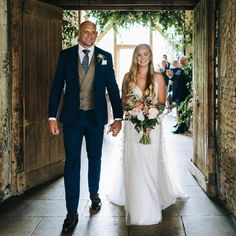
(144, 185)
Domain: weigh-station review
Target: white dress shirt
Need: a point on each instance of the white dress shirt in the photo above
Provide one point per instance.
(82, 54)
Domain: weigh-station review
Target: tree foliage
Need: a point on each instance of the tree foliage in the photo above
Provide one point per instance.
(186, 107)
(69, 27)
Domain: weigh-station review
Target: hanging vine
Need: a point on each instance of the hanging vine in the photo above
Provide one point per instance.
(145, 18)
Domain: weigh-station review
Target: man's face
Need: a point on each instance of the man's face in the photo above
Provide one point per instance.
(87, 34)
(183, 61)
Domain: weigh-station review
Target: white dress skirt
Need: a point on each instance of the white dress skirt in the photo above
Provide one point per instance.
(144, 183)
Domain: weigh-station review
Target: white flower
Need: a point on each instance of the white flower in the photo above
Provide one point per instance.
(152, 113)
(140, 116)
(100, 57)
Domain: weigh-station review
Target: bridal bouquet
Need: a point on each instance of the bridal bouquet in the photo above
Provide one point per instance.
(144, 113)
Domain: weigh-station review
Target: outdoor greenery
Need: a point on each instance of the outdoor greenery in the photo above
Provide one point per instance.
(69, 27)
(185, 108)
(146, 18)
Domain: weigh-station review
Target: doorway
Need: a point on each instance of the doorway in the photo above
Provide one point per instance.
(203, 162)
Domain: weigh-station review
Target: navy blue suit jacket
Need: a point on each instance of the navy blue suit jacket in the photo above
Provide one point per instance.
(179, 87)
(67, 81)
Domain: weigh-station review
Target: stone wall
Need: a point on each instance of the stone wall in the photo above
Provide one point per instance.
(227, 124)
(5, 153)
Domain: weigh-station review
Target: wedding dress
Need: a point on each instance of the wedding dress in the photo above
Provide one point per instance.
(144, 183)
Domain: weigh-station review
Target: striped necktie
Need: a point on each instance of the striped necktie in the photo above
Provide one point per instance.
(85, 62)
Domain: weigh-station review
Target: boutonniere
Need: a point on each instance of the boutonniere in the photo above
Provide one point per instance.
(101, 59)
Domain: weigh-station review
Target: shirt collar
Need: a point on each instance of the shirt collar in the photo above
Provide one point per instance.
(91, 49)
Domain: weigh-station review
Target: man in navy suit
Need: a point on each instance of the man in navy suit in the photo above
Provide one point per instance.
(84, 74)
(179, 88)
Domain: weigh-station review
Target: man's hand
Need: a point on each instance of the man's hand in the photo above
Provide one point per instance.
(53, 127)
(115, 127)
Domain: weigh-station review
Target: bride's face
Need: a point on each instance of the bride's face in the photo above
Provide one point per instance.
(143, 57)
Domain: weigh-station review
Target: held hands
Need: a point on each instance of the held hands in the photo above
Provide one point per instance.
(53, 127)
(115, 128)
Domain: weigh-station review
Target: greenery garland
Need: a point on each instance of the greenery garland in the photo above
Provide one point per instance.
(146, 18)
(164, 19)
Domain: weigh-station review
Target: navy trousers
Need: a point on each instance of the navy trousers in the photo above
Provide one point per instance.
(87, 127)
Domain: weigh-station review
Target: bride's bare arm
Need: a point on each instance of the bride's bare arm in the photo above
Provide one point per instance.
(161, 88)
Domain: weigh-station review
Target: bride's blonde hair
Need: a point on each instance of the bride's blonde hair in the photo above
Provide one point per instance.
(132, 74)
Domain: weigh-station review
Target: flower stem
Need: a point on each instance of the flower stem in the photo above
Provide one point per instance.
(145, 139)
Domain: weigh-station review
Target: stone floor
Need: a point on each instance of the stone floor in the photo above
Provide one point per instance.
(41, 211)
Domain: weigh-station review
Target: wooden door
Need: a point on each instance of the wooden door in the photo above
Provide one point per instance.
(203, 163)
(43, 154)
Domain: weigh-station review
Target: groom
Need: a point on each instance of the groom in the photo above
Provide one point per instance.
(84, 74)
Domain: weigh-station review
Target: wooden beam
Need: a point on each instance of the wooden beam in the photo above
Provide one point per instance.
(125, 5)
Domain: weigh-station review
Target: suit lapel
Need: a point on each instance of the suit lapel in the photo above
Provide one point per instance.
(75, 59)
(96, 65)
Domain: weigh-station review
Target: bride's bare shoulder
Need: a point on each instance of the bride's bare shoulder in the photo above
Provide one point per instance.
(157, 74)
(159, 77)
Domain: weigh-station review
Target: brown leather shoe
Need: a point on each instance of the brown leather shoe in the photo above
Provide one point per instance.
(70, 222)
(96, 202)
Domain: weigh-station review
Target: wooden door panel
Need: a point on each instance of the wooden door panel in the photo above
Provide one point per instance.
(203, 163)
(43, 155)
(199, 81)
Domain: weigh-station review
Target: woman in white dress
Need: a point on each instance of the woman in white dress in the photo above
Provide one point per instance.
(144, 185)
